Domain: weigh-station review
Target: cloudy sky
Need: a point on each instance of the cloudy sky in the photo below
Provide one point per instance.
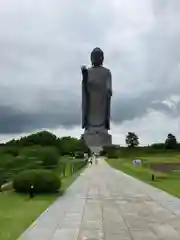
(43, 44)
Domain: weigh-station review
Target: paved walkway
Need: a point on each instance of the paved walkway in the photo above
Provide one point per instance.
(106, 204)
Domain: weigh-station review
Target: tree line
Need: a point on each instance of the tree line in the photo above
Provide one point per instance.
(41, 150)
(64, 145)
(132, 140)
(69, 145)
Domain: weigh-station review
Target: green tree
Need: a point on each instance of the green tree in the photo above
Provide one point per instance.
(65, 145)
(170, 142)
(43, 138)
(70, 145)
(132, 139)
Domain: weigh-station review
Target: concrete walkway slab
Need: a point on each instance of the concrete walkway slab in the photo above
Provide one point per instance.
(105, 204)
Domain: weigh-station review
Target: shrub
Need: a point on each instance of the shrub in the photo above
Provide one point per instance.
(110, 151)
(44, 181)
(32, 151)
(79, 155)
(67, 168)
(10, 150)
(6, 161)
(49, 157)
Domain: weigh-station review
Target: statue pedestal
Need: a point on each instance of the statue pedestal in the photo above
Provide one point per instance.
(97, 139)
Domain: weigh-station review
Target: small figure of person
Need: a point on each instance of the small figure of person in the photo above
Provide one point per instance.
(90, 160)
(96, 160)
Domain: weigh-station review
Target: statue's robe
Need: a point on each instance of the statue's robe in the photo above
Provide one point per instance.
(96, 99)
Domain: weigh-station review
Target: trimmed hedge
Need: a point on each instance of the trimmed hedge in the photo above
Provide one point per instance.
(67, 168)
(44, 181)
(49, 157)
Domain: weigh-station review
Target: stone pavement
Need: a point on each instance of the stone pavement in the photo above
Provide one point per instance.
(105, 204)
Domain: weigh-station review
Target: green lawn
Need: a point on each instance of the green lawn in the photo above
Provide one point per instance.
(17, 212)
(167, 182)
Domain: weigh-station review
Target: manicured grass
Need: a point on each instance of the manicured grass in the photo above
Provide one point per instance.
(168, 182)
(174, 158)
(18, 212)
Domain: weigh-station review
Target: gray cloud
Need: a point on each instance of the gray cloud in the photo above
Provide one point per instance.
(44, 44)
(66, 113)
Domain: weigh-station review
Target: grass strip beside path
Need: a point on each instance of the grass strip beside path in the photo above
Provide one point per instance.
(166, 182)
(18, 211)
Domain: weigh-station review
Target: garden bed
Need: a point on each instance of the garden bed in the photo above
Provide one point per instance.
(165, 167)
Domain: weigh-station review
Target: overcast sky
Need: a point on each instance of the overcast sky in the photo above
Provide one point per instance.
(43, 44)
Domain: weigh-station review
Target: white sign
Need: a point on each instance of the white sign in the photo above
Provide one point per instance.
(137, 162)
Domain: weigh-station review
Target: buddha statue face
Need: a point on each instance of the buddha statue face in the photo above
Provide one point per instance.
(97, 57)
